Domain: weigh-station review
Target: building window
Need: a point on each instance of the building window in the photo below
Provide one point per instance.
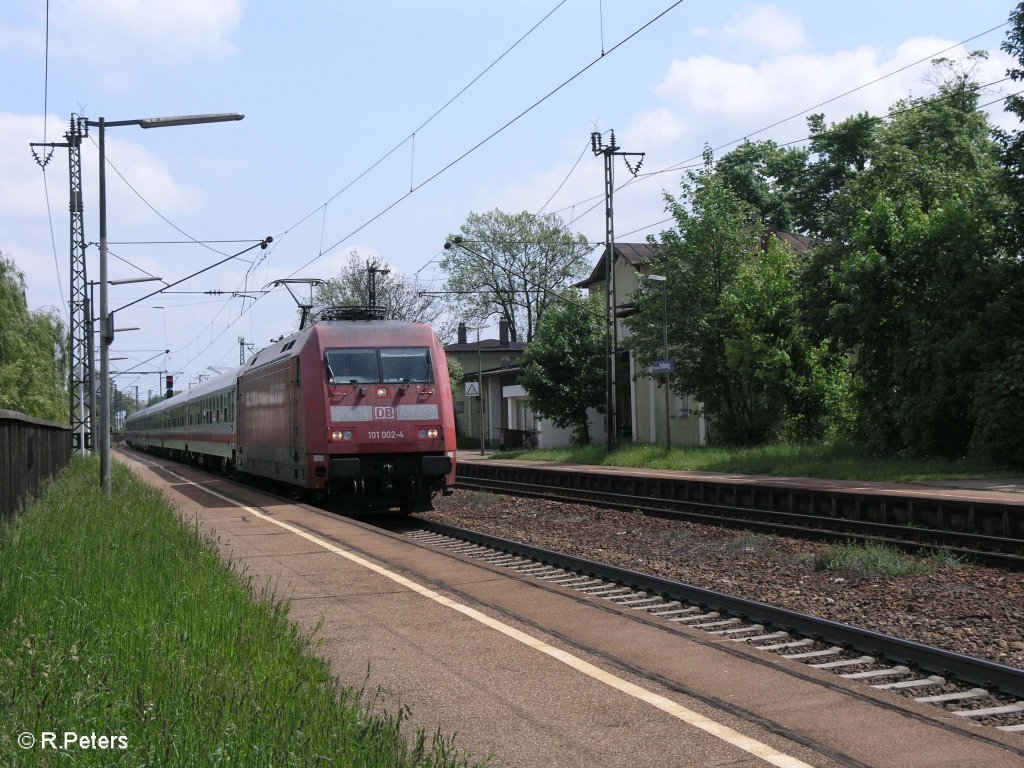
(680, 405)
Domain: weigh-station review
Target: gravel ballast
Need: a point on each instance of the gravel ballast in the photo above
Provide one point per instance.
(974, 610)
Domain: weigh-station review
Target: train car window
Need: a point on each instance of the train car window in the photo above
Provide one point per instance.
(406, 364)
(352, 366)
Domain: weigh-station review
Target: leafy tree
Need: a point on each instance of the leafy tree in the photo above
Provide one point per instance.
(33, 352)
(735, 329)
(997, 406)
(839, 153)
(401, 297)
(766, 176)
(513, 264)
(563, 367)
(715, 233)
(910, 262)
(456, 374)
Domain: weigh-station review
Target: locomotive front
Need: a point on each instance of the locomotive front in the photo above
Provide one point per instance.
(390, 427)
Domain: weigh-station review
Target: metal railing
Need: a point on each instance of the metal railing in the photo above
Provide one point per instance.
(31, 451)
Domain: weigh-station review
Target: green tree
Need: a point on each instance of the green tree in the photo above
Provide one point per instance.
(735, 329)
(766, 176)
(33, 352)
(513, 264)
(456, 374)
(997, 406)
(400, 297)
(910, 262)
(563, 367)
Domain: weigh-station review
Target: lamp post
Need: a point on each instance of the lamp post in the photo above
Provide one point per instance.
(106, 321)
(664, 322)
(479, 383)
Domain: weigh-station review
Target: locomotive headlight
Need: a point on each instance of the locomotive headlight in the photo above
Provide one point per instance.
(429, 433)
(382, 391)
(338, 434)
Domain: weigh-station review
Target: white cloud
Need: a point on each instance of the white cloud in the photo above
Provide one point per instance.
(722, 94)
(23, 198)
(655, 129)
(765, 26)
(150, 178)
(21, 188)
(713, 100)
(101, 29)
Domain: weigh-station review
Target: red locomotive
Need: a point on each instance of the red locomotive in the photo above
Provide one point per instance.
(358, 410)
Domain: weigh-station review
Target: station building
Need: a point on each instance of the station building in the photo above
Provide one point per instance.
(494, 365)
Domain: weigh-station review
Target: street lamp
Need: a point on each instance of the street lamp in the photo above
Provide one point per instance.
(106, 321)
(664, 321)
(479, 382)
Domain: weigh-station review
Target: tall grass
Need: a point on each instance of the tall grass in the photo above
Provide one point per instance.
(839, 461)
(118, 619)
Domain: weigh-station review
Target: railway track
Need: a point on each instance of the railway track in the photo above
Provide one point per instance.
(974, 689)
(999, 550)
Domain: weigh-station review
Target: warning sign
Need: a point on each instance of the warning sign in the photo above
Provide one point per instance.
(472, 389)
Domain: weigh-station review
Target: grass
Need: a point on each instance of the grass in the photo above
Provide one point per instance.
(120, 619)
(860, 560)
(754, 542)
(838, 461)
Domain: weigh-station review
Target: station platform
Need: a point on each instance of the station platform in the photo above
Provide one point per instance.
(1008, 490)
(535, 674)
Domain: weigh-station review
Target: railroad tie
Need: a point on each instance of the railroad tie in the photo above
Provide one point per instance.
(759, 638)
(722, 623)
(835, 650)
(1007, 709)
(691, 609)
(711, 615)
(923, 682)
(672, 604)
(897, 670)
(973, 693)
(737, 630)
(845, 663)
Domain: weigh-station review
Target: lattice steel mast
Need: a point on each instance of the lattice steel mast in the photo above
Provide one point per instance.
(79, 319)
(610, 302)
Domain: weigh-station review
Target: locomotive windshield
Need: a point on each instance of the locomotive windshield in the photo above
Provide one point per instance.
(366, 365)
(405, 364)
(353, 366)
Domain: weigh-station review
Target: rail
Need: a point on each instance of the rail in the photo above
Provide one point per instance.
(1008, 680)
(987, 532)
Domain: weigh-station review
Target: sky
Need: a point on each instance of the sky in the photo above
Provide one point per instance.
(376, 128)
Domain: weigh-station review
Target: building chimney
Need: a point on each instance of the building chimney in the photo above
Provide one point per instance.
(462, 333)
(503, 332)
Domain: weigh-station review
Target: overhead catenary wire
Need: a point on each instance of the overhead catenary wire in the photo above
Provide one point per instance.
(197, 241)
(890, 114)
(324, 251)
(684, 164)
(489, 137)
(424, 124)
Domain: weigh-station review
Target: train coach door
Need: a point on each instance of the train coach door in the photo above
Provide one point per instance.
(297, 450)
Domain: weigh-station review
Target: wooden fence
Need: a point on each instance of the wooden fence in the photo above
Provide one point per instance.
(31, 452)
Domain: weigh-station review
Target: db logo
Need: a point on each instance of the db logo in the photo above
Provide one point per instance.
(383, 412)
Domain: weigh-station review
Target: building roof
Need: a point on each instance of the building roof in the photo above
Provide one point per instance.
(634, 254)
(637, 254)
(799, 243)
(486, 345)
